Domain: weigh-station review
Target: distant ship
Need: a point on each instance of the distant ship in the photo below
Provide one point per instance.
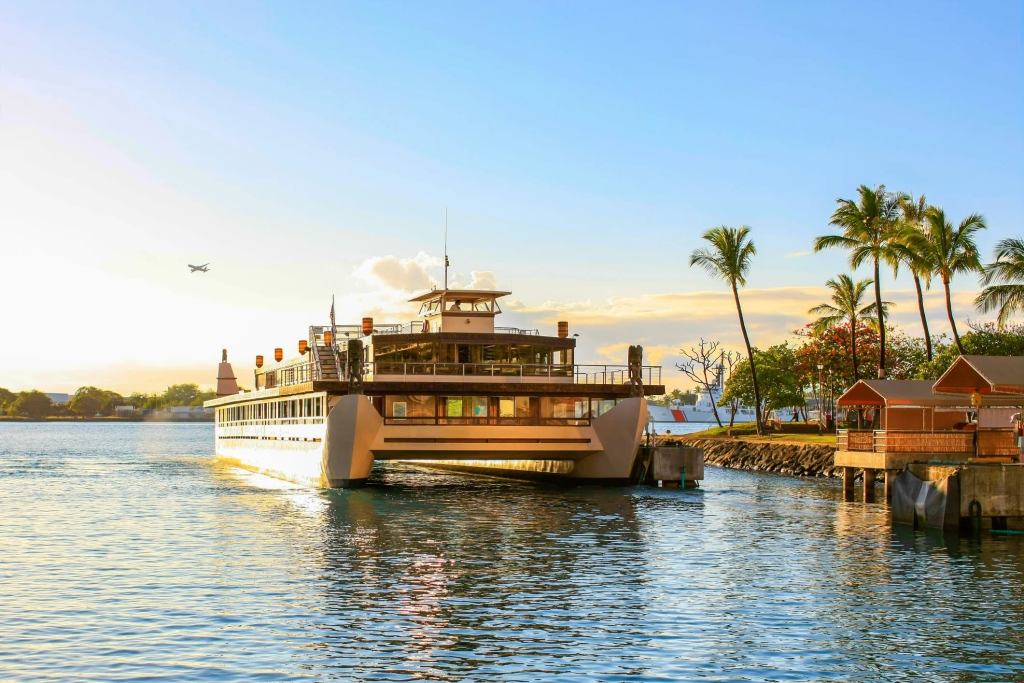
(703, 410)
(448, 390)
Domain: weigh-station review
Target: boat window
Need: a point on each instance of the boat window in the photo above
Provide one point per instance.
(479, 406)
(404, 406)
(494, 353)
(453, 406)
(506, 407)
(523, 406)
(600, 406)
(563, 407)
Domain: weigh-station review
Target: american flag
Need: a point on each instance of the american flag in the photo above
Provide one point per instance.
(332, 310)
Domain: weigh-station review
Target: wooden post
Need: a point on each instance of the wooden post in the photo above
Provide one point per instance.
(890, 480)
(869, 485)
(848, 473)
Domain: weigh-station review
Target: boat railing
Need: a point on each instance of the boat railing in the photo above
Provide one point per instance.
(493, 421)
(516, 330)
(614, 374)
(580, 374)
(416, 327)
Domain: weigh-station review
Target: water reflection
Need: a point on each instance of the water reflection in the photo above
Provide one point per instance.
(124, 553)
(447, 575)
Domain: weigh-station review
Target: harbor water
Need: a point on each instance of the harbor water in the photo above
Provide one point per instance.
(127, 554)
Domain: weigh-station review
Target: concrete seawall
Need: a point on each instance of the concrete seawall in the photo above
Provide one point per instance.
(784, 458)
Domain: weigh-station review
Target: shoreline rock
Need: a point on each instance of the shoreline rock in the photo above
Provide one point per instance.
(808, 460)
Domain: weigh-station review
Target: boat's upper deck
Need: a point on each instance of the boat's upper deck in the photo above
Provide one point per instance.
(453, 341)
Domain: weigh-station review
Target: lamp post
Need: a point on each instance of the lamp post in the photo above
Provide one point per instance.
(831, 394)
(820, 393)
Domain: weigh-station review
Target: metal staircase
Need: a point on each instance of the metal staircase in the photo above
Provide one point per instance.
(327, 363)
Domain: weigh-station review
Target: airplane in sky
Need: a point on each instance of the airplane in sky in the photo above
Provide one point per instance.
(201, 269)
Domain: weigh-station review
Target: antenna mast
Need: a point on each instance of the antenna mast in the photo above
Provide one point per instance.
(446, 248)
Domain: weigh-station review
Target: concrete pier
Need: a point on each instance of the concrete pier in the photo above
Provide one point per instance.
(969, 497)
(848, 475)
(869, 485)
(676, 467)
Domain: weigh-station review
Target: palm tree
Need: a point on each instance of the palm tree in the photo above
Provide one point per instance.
(1008, 272)
(848, 297)
(912, 234)
(952, 251)
(729, 259)
(870, 233)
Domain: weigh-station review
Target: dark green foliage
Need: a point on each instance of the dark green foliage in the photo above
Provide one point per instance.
(982, 340)
(687, 398)
(89, 401)
(777, 377)
(1004, 281)
(32, 403)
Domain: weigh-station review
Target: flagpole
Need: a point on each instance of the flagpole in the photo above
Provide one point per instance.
(334, 328)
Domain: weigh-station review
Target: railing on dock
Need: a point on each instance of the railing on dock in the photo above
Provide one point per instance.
(986, 442)
(855, 440)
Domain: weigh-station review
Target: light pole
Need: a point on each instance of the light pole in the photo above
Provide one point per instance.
(821, 394)
(831, 408)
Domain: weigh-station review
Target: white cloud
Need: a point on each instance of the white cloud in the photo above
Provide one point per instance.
(483, 279)
(797, 254)
(399, 274)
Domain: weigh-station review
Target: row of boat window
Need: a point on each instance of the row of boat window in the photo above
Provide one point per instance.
(437, 352)
(273, 410)
(538, 407)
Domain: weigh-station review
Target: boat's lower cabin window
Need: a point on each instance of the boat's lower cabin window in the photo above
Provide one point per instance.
(409, 406)
(600, 406)
(564, 407)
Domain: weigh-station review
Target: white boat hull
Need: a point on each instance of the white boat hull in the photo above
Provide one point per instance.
(340, 450)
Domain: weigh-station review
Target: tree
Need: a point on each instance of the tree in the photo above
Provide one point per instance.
(32, 403)
(906, 354)
(912, 233)
(848, 298)
(779, 382)
(85, 404)
(983, 340)
(870, 233)
(203, 397)
(686, 398)
(180, 394)
(92, 401)
(951, 251)
(1007, 274)
(136, 400)
(731, 359)
(6, 398)
(729, 259)
(703, 365)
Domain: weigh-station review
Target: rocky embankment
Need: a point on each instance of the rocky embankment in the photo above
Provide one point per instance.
(785, 458)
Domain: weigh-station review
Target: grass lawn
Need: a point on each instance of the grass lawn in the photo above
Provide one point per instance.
(747, 432)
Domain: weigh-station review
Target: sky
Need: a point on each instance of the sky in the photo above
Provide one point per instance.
(580, 149)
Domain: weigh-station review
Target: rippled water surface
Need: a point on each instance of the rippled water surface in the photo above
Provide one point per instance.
(125, 553)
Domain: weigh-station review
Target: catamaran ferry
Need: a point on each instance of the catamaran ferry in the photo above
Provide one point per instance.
(448, 390)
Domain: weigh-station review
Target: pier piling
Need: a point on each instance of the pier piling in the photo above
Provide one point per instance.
(848, 474)
(869, 485)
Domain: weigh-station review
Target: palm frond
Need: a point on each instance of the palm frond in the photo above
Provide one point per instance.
(730, 255)
(1008, 299)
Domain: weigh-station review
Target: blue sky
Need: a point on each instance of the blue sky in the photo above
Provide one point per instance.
(581, 149)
